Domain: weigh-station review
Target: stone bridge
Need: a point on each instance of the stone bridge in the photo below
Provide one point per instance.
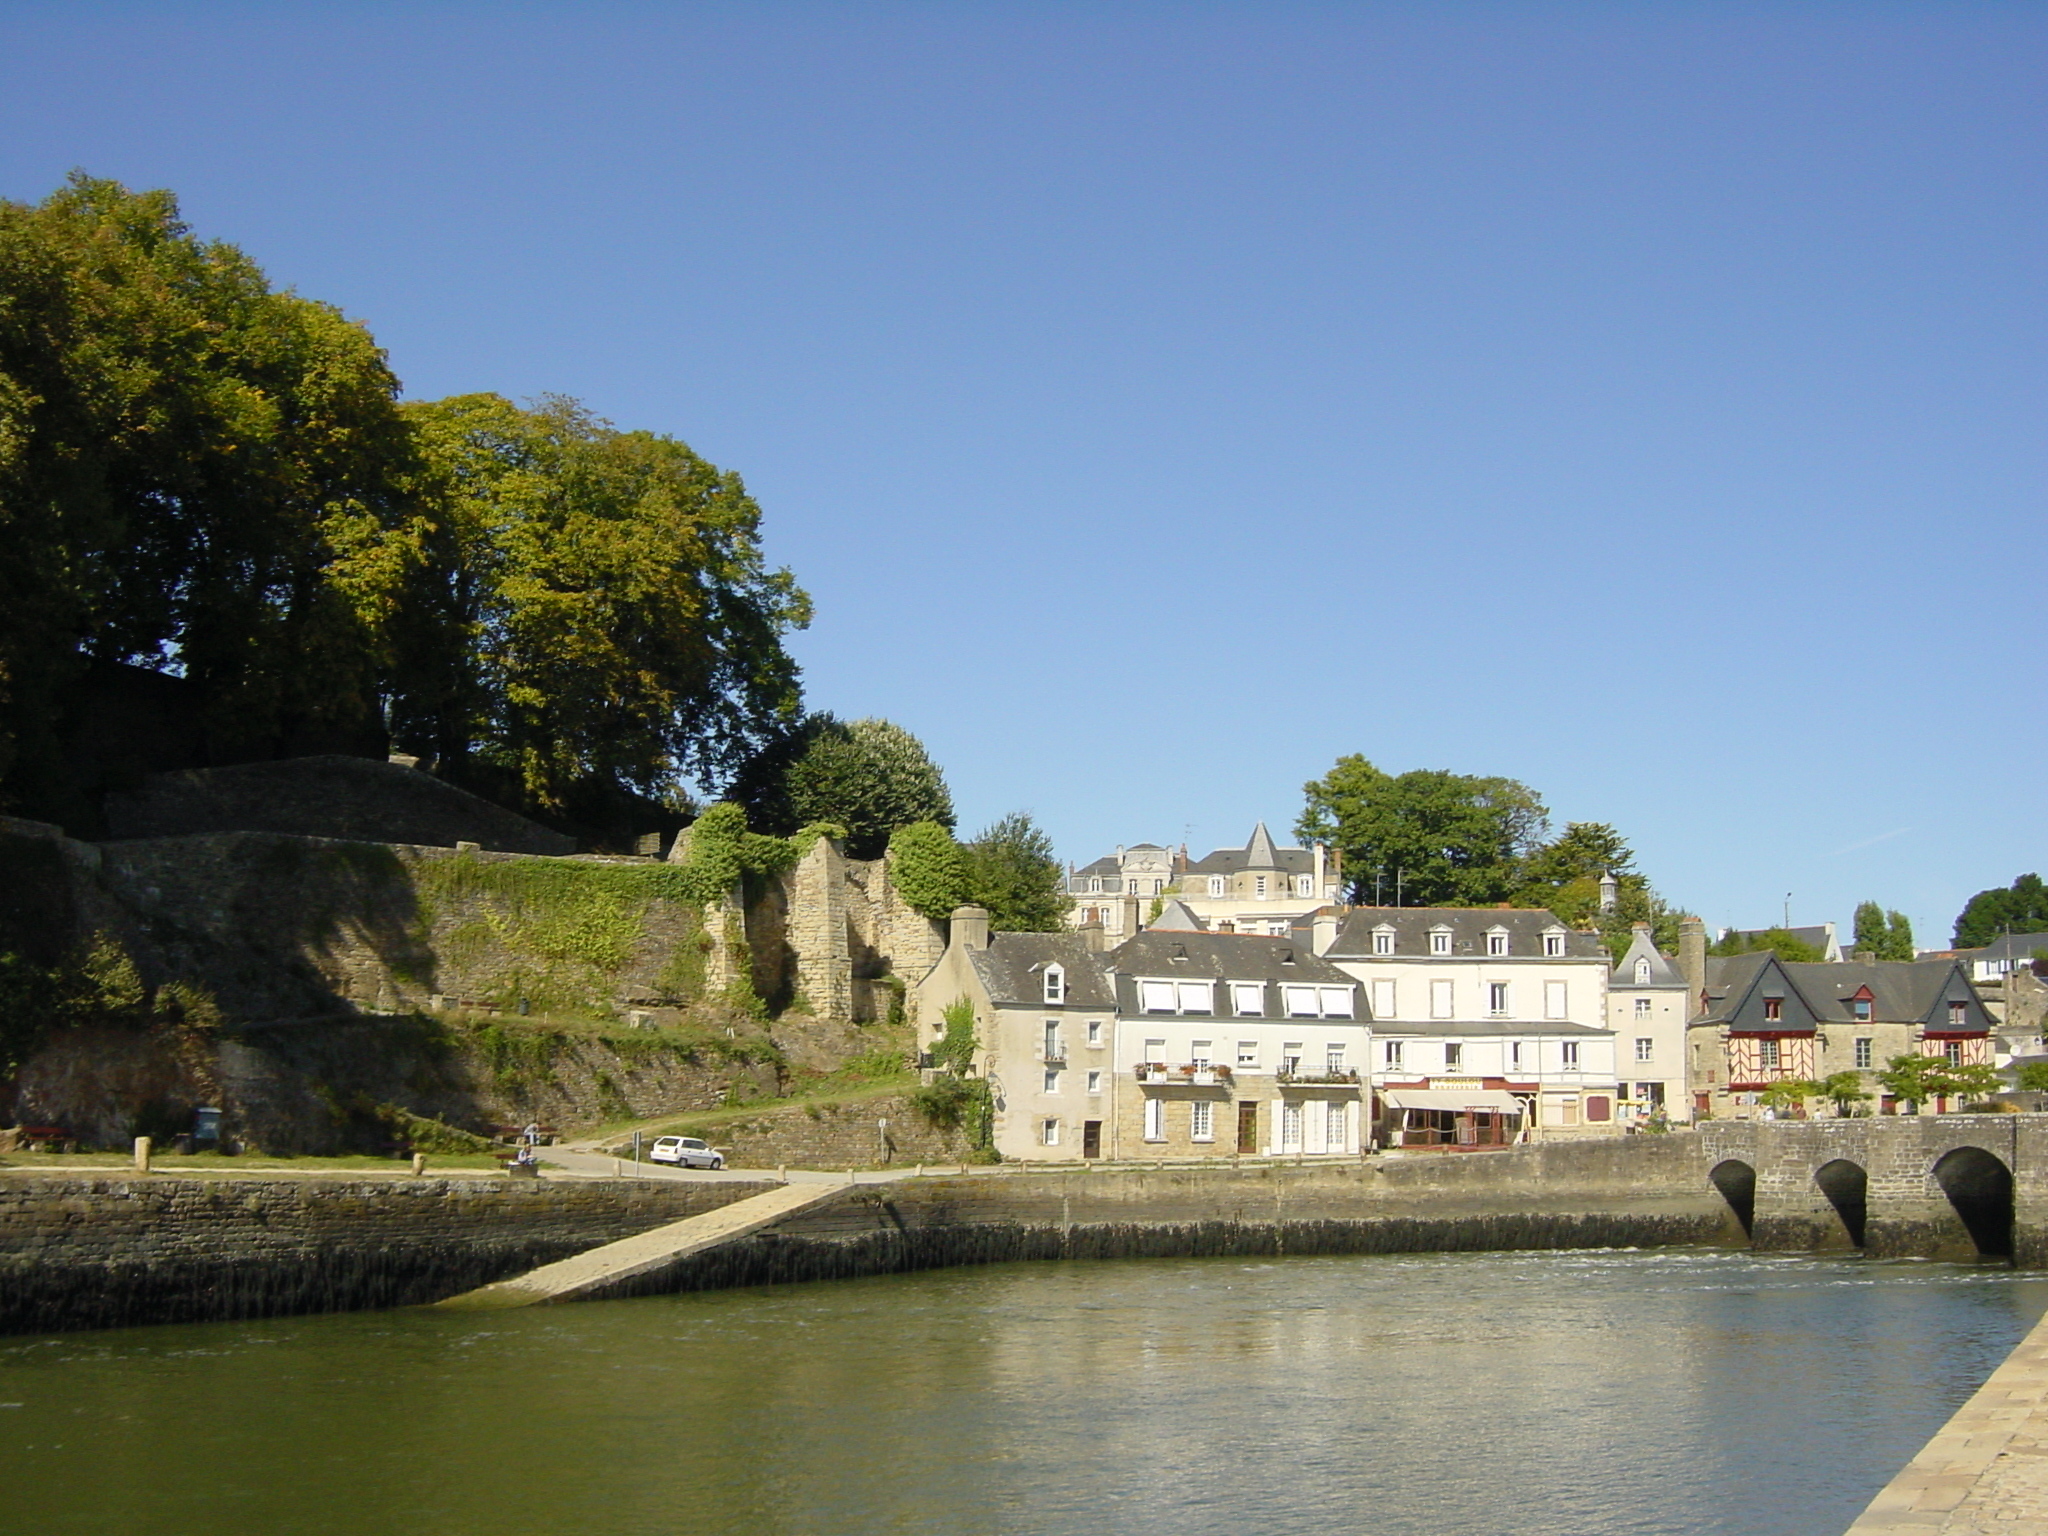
(1931, 1186)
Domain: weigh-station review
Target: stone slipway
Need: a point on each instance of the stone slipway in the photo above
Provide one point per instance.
(638, 1262)
(1987, 1469)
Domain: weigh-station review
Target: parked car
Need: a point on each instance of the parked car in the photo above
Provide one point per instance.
(685, 1152)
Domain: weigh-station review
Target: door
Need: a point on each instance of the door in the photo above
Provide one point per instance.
(1091, 1138)
(1248, 1126)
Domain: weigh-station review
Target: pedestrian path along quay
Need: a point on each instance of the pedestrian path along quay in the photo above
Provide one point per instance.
(1987, 1470)
(610, 1269)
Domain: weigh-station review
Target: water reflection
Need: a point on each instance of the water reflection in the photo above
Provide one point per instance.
(1670, 1392)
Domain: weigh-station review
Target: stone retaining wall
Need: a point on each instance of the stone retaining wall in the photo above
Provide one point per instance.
(836, 1136)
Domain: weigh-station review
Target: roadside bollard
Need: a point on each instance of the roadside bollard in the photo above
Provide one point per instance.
(850, 1177)
(419, 1164)
(618, 1169)
(142, 1154)
(781, 1173)
(920, 1170)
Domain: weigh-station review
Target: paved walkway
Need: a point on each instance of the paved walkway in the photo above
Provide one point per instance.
(1987, 1470)
(599, 1165)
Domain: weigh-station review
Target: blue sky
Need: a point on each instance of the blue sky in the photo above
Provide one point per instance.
(1642, 401)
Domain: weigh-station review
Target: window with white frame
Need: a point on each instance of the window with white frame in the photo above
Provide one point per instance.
(1863, 1053)
(1304, 885)
(1646, 1048)
(1094, 1082)
(1259, 887)
(1333, 1056)
(1515, 1054)
(1642, 1007)
(1247, 1053)
(1290, 1056)
(1215, 887)
(1052, 1079)
(1642, 970)
(1383, 941)
(1497, 999)
(1155, 1119)
(1155, 1050)
(1958, 1015)
(1497, 941)
(1443, 999)
(1095, 1031)
(1201, 1121)
(1049, 1133)
(1055, 984)
(1157, 997)
(1454, 1056)
(1383, 999)
(1054, 1051)
(1248, 999)
(1302, 1002)
(1193, 996)
(1557, 1000)
(1570, 1052)
(1440, 941)
(1201, 1051)
(1553, 946)
(1394, 1052)
(1767, 1054)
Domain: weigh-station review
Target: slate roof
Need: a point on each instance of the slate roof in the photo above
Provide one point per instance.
(1223, 957)
(1815, 936)
(1174, 917)
(1469, 926)
(1816, 993)
(1258, 852)
(2011, 946)
(1664, 971)
(1012, 969)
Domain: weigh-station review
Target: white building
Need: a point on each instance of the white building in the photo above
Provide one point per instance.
(1490, 1024)
(1648, 1004)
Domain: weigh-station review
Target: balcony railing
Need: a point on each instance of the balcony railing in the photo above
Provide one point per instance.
(1196, 1073)
(1327, 1076)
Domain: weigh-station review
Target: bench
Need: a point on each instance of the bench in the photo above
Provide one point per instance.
(46, 1138)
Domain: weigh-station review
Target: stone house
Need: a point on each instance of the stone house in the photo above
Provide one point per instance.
(1260, 888)
(1176, 1044)
(1647, 1004)
(1490, 1024)
(1764, 1020)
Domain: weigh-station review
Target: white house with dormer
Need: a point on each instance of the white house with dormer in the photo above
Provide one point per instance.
(1648, 1004)
(1489, 1024)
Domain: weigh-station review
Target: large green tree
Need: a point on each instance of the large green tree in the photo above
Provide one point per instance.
(198, 473)
(867, 776)
(1883, 935)
(1449, 839)
(596, 606)
(2021, 907)
(1011, 871)
(1565, 875)
(1782, 942)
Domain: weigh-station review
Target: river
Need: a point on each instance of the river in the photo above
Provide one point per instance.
(1589, 1394)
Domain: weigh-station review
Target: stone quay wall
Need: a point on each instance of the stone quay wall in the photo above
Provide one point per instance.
(79, 1252)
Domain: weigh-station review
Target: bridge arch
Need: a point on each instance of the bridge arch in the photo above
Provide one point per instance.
(1979, 1186)
(1847, 1186)
(1736, 1180)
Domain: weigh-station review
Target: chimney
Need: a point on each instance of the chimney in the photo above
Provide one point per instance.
(1322, 930)
(1130, 915)
(1119, 855)
(970, 927)
(1692, 962)
(1093, 935)
(1322, 873)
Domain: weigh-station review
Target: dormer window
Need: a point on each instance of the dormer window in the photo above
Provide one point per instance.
(1774, 1009)
(1958, 1015)
(1642, 971)
(1439, 941)
(1304, 885)
(1553, 946)
(1860, 1008)
(1055, 984)
(1497, 941)
(1383, 941)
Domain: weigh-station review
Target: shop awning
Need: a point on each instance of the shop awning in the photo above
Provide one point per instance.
(1497, 1100)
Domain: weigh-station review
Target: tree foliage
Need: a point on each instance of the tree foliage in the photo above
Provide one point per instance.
(928, 868)
(198, 473)
(1451, 839)
(869, 776)
(596, 606)
(1921, 1079)
(1883, 935)
(1845, 1089)
(1782, 942)
(1012, 872)
(1792, 1092)
(2021, 907)
(1565, 875)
